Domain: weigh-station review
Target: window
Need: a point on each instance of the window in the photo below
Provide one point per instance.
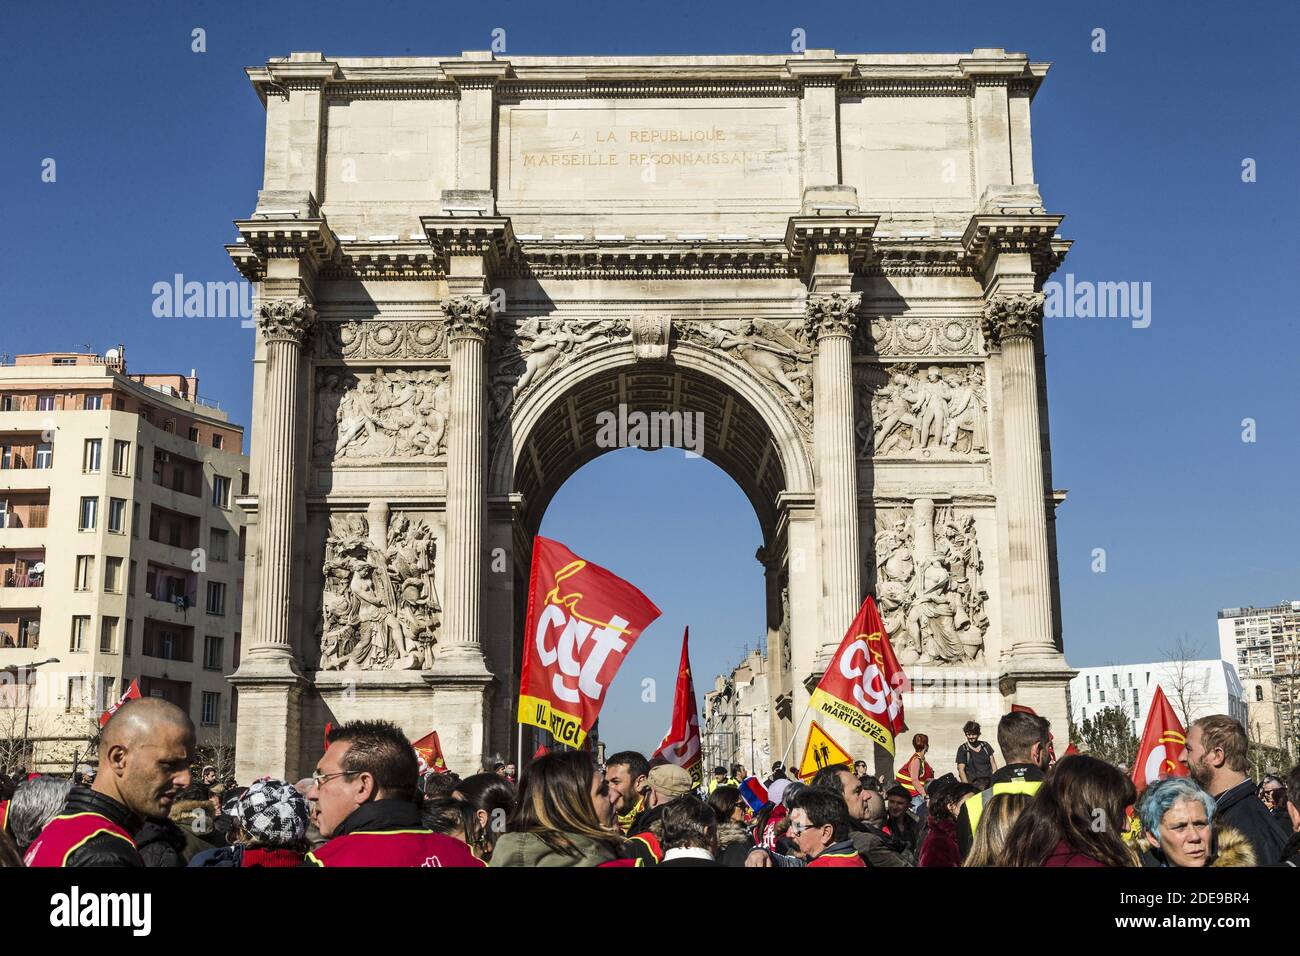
(130, 580)
(1130, 679)
(7, 456)
(90, 459)
(170, 426)
(1114, 680)
(85, 572)
(221, 491)
(113, 575)
(211, 712)
(1259, 692)
(45, 403)
(1103, 696)
(45, 455)
(89, 514)
(121, 457)
(64, 360)
(217, 544)
(93, 403)
(29, 632)
(108, 635)
(106, 697)
(117, 515)
(243, 482)
(217, 441)
(10, 403)
(126, 637)
(80, 627)
(1136, 706)
(135, 525)
(194, 433)
(212, 653)
(76, 693)
(139, 456)
(216, 598)
(1148, 678)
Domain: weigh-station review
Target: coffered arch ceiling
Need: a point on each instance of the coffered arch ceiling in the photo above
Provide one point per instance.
(555, 435)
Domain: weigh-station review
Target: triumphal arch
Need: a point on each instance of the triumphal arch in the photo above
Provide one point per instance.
(460, 263)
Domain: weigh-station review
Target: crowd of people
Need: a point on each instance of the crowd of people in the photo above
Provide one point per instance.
(368, 804)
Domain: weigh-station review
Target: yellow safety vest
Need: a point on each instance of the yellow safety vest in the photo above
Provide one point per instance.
(975, 805)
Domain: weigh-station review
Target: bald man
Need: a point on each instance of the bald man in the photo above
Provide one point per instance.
(144, 761)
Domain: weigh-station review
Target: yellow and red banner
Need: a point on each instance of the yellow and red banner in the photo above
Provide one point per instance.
(428, 751)
(681, 745)
(581, 623)
(1163, 742)
(863, 684)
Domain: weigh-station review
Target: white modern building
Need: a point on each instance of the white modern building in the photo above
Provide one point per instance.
(1194, 689)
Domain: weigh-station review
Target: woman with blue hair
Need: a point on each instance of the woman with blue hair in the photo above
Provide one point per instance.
(1178, 822)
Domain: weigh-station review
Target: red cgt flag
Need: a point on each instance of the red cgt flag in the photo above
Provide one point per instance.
(681, 745)
(581, 622)
(1162, 744)
(863, 684)
(132, 693)
(428, 751)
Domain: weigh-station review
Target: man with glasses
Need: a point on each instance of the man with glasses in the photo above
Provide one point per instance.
(365, 788)
(819, 827)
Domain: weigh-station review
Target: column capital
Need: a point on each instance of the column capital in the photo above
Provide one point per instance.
(286, 320)
(834, 314)
(468, 316)
(1012, 316)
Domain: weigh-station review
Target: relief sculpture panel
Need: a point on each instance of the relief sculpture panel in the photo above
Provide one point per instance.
(367, 417)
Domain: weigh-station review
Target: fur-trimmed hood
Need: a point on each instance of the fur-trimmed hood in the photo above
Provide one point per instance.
(729, 833)
(1231, 848)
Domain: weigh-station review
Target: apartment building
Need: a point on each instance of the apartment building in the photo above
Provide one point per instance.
(1194, 689)
(1264, 643)
(121, 550)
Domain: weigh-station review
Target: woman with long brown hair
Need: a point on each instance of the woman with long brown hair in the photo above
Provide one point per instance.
(555, 821)
(1076, 818)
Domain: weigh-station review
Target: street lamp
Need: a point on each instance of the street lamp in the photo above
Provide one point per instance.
(27, 694)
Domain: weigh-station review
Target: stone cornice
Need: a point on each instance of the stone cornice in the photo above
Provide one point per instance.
(633, 259)
(309, 240)
(518, 78)
(806, 237)
(491, 237)
(987, 236)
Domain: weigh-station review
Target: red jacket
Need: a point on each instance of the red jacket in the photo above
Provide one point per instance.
(838, 854)
(1066, 855)
(940, 846)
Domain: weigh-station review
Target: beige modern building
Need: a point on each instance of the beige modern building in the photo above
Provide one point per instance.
(463, 263)
(1264, 644)
(120, 549)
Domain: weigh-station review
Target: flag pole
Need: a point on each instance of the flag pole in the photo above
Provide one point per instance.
(793, 737)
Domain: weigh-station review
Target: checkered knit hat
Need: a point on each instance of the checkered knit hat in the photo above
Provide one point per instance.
(272, 812)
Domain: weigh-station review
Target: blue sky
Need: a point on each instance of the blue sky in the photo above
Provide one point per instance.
(159, 148)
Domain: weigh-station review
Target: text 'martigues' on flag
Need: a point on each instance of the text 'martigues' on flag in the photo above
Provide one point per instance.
(863, 684)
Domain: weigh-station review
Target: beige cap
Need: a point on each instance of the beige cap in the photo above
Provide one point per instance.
(670, 780)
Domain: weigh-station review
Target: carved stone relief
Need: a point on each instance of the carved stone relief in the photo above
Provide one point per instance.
(399, 415)
(525, 353)
(379, 607)
(426, 338)
(929, 584)
(910, 335)
(775, 350)
(934, 412)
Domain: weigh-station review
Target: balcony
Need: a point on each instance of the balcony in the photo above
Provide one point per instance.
(20, 628)
(22, 569)
(25, 510)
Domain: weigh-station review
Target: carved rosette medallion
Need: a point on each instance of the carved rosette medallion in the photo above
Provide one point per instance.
(286, 320)
(468, 316)
(833, 314)
(1012, 316)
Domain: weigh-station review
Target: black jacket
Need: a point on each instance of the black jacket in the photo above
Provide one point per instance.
(1291, 852)
(161, 844)
(1240, 809)
(878, 848)
(103, 850)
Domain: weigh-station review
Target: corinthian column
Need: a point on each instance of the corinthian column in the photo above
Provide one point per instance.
(1010, 324)
(285, 325)
(468, 323)
(831, 320)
